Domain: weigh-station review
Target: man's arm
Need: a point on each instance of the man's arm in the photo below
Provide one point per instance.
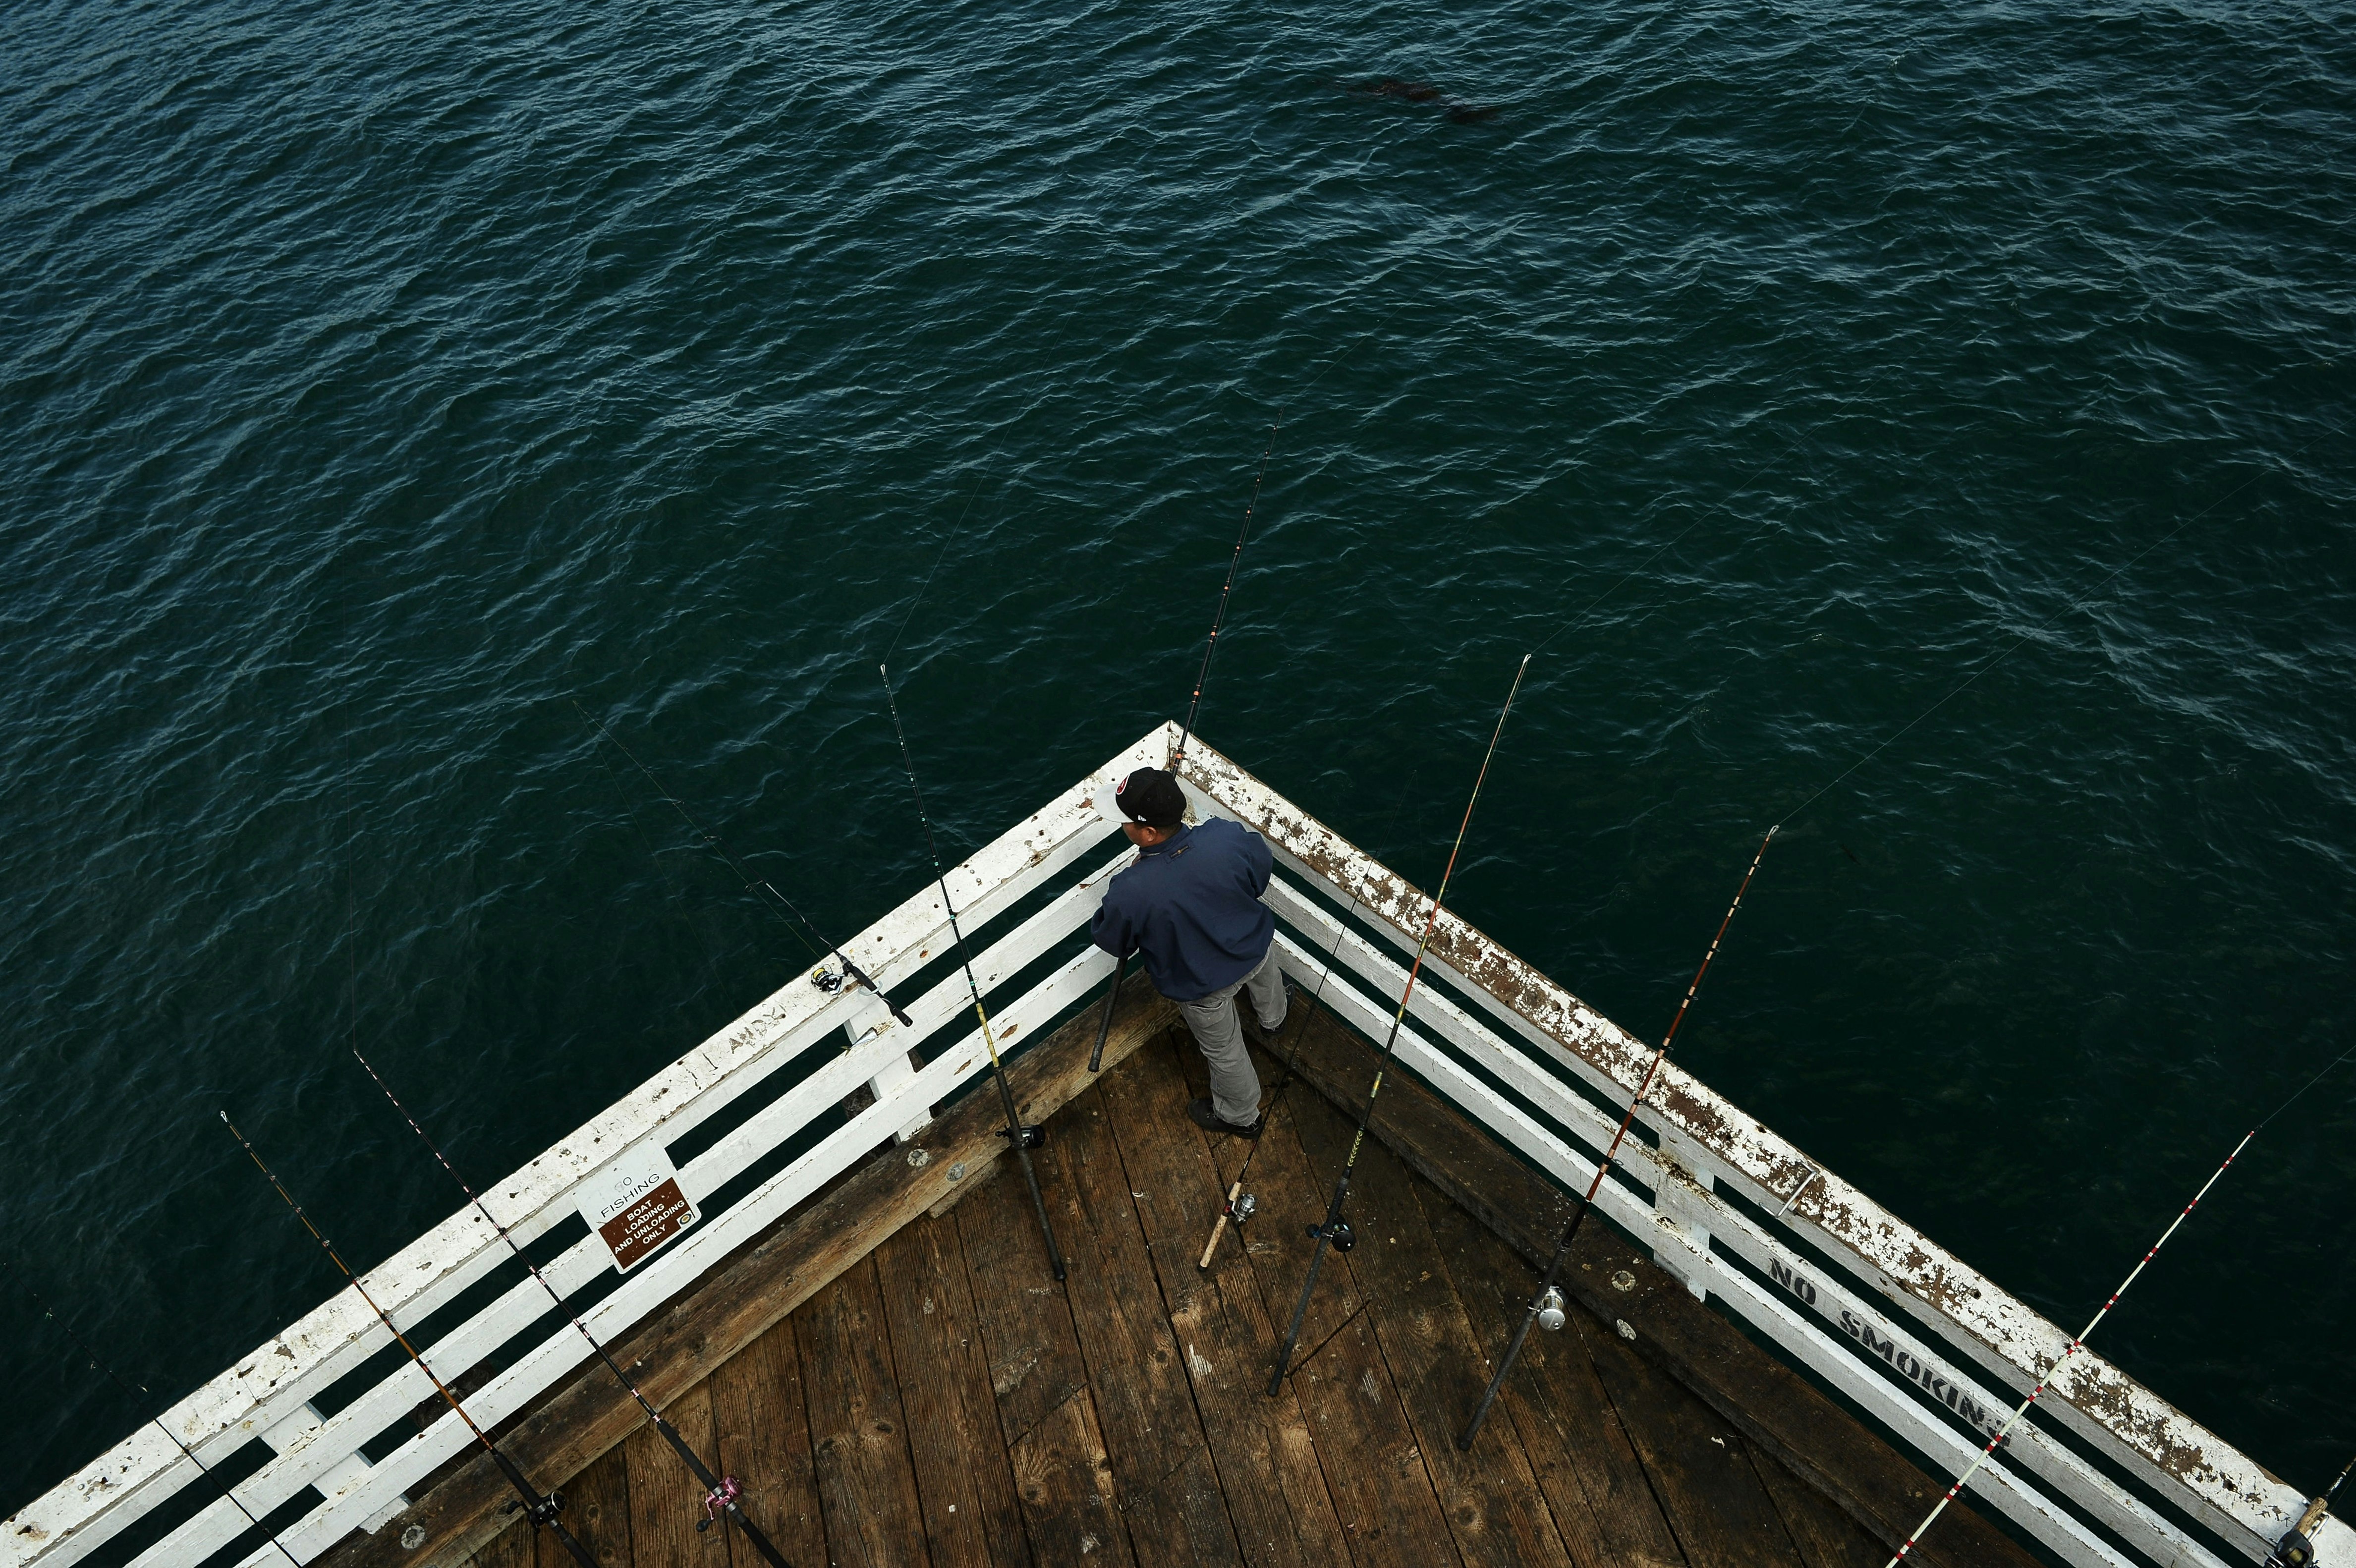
(1259, 861)
(1110, 928)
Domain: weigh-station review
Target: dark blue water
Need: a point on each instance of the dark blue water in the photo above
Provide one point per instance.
(378, 380)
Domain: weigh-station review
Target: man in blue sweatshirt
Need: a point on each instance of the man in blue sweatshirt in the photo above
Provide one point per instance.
(1191, 905)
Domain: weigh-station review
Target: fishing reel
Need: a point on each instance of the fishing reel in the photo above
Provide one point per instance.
(2293, 1550)
(719, 1500)
(544, 1511)
(1549, 1309)
(1339, 1233)
(1242, 1208)
(825, 979)
(1033, 1136)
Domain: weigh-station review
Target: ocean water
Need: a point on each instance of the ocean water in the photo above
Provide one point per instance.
(380, 382)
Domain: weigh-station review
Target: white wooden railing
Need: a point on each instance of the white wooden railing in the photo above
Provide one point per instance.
(1924, 1345)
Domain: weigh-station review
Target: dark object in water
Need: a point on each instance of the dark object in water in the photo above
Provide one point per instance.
(1392, 87)
(1419, 92)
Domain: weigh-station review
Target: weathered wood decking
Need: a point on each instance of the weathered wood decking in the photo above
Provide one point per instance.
(942, 1400)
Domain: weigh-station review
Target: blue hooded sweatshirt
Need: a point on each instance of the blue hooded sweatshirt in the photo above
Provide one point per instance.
(1191, 905)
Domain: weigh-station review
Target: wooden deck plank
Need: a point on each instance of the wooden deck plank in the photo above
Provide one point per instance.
(1266, 1464)
(1490, 1498)
(1182, 1520)
(1769, 1403)
(1372, 1459)
(1593, 1482)
(1826, 1538)
(1292, 1194)
(1124, 1414)
(597, 1512)
(867, 1482)
(511, 1548)
(732, 1306)
(765, 1442)
(1026, 1328)
(1144, 1405)
(963, 1477)
(1721, 1513)
(1070, 1501)
(666, 1499)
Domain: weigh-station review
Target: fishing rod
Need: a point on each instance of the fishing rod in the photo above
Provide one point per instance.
(541, 1510)
(1241, 1205)
(139, 1391)
(1546, 1307)
(2295, 1550)
(793, 914)
(1219, 620)
(1193, 707)
(1335, 1229)
(1023, 1138)
(2075, 1344)
(1220, 616)
(720, 1492)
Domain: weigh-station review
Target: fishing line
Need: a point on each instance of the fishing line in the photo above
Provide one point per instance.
(1791, 448)
(136, 1392)
(2014, 646)
(792, 915)
(2075, 1344)
(1202, 676)
(1239, 1205)
(541, 1510)
(1186, 730)
(1541, 1307)
(676, 883)
(1020, 1136)
(1540, 1303)
(938, 559)
(1334, 1230)
(1219, 615)
(720, 1492)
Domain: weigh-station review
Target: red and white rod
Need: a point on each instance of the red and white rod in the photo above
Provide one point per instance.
(2006, 1430)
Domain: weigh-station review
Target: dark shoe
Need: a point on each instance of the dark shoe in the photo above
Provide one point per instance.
(1209, 1120)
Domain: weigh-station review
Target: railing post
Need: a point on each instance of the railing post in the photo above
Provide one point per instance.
(869, 1020)
(1684, 1247)
(293, 1432)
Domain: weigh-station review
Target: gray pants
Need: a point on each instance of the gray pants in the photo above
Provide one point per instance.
(1218, 1030)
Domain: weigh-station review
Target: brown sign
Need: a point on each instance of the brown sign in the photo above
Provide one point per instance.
(647, 1224)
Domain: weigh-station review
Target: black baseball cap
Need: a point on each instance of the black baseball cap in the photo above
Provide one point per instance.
(1149, 796)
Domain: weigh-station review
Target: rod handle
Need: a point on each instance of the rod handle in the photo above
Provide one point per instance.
(760, 1542)
(1104, 1024)
(580, 1554)
(1219, 1229)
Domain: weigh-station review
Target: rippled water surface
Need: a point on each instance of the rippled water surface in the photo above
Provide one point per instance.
(378, 380)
